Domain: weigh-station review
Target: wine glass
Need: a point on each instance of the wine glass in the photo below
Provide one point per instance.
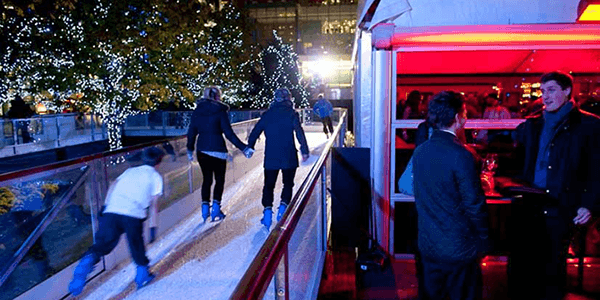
(491, 162)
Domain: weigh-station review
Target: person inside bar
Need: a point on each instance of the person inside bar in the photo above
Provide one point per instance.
(451, 206)
(561, 151)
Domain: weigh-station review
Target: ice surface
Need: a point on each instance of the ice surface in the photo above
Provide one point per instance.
(198, 260)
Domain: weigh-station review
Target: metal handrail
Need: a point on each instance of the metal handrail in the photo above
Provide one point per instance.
(56, 165)
(257, 277)
(37, 232)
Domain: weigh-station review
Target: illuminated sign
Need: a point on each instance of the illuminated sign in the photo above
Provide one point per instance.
(589, 11)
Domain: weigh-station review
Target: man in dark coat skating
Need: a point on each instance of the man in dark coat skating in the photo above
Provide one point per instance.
(279, 124)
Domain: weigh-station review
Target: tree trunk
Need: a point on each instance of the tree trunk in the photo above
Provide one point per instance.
(114, 126)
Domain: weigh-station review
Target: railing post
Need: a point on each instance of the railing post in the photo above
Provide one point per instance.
(342, 135)
(93, 127)
(57, 132)
(282, 287)
(15, 133)
(164, 122)
(324, 206)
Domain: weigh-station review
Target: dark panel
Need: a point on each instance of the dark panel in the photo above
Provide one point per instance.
(351, 197)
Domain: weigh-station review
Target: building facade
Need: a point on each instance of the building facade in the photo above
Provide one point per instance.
(321, 32)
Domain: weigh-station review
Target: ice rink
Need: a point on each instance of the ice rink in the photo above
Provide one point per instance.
(198, 260)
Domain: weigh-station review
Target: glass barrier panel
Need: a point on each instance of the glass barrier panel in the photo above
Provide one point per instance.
(155, 119)
(303, 248)
(404, 146)
(7, 133)
(174, 170)
(140, 120)
(24, 204)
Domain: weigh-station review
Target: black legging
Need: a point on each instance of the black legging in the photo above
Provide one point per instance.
(209, 166)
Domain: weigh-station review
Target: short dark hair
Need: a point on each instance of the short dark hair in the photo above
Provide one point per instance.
(492, 95)
(152, 156)
(563, 79)
(443, 107)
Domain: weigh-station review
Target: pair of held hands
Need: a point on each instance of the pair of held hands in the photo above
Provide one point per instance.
(248, 152)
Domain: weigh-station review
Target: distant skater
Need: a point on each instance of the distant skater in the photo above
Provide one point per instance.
(323, 109)
(127, 201)
(279, 124)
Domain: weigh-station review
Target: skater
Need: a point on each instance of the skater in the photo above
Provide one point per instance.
(127, 200)
(279, 124)
(208, 123)
(323, 109)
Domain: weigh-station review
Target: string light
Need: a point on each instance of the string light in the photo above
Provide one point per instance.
(55, 60)
(284, 75)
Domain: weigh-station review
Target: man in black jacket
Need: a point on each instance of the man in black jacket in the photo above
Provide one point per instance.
(561, 151)
(279, 124)
(451, 207)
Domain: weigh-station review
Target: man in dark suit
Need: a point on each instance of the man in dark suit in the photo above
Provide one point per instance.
(561, 150)
(451, 207)
(279, 124)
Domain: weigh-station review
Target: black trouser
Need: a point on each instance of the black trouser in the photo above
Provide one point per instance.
(111, 228)
(327, 124)
(537, 264)
(458, 280)
(212, 166)
(271, 179)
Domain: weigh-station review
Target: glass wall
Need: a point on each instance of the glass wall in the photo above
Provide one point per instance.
(58, 205)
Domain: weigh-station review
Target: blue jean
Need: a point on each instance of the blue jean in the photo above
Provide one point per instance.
(111, 228)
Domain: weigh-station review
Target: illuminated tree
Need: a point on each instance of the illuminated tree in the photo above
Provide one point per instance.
(279, 69)
(38, 53)
(228, 57)
(120, 57)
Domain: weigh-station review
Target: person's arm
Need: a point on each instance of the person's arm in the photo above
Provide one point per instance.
(301, 137)
(157, 192)
(256, 131)
(422, 133)
(191, 135)
(590, 202)
(473, 198)
(153, 217)
(229, 134)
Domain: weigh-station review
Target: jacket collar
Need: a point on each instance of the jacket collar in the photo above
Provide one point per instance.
(219, 104)
(444, 135)
(282, 104)
(573, 117)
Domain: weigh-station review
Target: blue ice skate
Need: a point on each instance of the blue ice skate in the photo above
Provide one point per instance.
(281, 211)
(205, 210)
(85, 266)
(143, 276)
(267, 218)
(216, 213)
